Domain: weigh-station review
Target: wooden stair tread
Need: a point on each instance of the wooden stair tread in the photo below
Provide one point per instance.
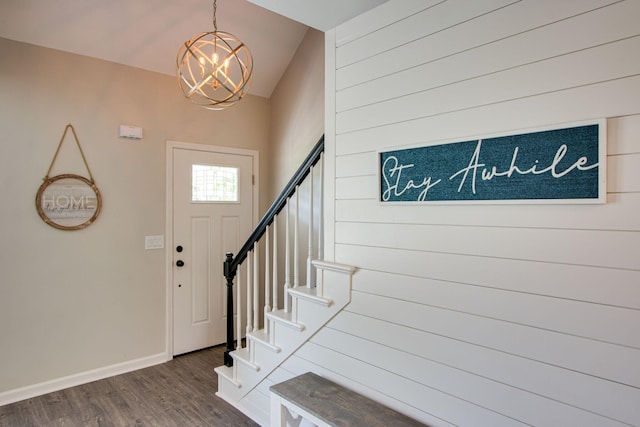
(243, 355)
(227, 373)
(285, 318)
(309, 294)
(261, 336)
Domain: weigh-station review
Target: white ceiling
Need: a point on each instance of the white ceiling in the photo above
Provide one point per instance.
(148, 33)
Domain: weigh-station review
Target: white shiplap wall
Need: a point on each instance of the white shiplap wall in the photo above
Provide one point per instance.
(485, 315)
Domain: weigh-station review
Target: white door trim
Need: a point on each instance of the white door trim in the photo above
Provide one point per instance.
(171, 145)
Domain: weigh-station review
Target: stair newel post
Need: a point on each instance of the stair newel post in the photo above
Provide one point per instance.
(287, 259)
(310, 234)
(229, 274)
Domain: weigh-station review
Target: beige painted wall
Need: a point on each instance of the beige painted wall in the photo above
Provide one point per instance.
(296, 124)
(297, 111)
(76, 301)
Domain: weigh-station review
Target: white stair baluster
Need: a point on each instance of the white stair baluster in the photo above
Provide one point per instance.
(267, 278)
(296, 221)
(320, 215)
(310, 237)
(256, 295)
(287, 259)
(249, 294)
(239, 310)
(274, 305)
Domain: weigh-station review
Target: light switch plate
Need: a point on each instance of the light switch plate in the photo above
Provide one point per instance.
(154, 242)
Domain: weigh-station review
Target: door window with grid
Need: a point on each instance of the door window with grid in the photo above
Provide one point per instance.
(210, 183)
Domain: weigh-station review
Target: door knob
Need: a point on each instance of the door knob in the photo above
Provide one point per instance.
(179, 263)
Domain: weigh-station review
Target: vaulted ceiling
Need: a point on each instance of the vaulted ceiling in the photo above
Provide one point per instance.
(148, 33)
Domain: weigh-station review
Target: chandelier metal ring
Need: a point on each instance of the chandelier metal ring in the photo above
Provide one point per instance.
(214, 69)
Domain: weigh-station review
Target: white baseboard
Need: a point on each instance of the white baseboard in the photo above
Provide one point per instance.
(27, 392)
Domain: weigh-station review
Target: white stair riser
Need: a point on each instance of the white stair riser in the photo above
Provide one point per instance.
(265, 356)
(228, 391)
(287, 338)
(337, 286)
(247, 376)
(313, 315)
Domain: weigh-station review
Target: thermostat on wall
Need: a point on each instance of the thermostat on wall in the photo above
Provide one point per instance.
(132, 132)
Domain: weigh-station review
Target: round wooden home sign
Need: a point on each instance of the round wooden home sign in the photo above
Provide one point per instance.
(68, 201)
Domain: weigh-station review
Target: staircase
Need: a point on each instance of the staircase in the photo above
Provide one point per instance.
(284, 333)
(279, 313)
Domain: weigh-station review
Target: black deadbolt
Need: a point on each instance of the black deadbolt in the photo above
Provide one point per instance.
(179, 248)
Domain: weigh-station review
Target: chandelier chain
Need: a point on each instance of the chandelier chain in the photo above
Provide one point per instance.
(215, 24)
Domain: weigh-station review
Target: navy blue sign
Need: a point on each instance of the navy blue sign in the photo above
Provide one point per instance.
(547, 165)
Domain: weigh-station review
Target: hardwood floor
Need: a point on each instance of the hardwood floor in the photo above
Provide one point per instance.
(178, 393)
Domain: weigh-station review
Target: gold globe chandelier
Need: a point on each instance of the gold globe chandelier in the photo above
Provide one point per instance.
(214, 69)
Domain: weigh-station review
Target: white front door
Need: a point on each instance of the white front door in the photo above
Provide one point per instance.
(212, 214)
